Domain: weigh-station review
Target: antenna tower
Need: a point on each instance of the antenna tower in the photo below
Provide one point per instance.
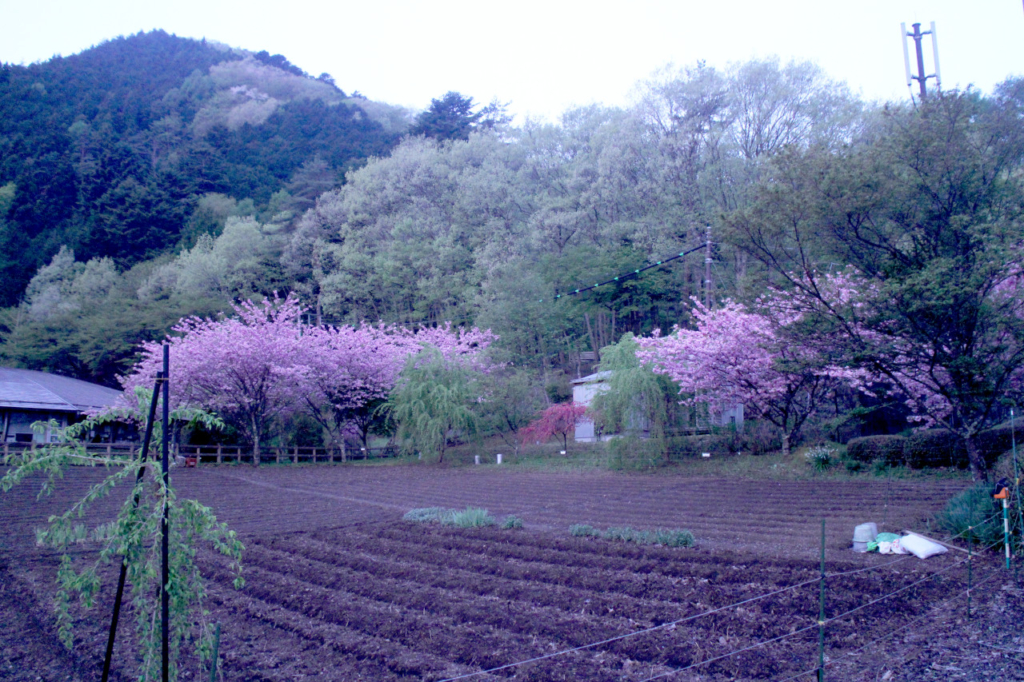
(921, 78)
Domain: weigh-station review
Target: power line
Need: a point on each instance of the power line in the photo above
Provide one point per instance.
(627, 275)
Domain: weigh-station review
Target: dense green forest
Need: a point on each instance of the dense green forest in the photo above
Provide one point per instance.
(153, 177)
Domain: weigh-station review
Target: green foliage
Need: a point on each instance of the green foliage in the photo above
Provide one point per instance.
(821, 457)
(631, 453)
(470, 517)
(511, 522)
(661, 536)
(973, 515)
(425, 514)
(432, 402)
(134, 536)
(887, 449)
(512, 401)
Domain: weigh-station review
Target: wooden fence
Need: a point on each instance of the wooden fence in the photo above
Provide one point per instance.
(223, 454)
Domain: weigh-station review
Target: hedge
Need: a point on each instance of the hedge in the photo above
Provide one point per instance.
(888, 449)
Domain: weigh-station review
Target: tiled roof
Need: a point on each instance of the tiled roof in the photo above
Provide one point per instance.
(28, 389)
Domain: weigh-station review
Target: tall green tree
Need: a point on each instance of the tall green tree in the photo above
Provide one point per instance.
(928, 215)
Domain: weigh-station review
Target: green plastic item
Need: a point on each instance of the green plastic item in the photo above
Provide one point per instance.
(881, 537)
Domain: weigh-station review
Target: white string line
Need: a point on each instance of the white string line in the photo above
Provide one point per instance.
(731, 653)
(633, 634)
(669, 625)
(820, 623)
(846, 654)
(959, 594)
(708, 613)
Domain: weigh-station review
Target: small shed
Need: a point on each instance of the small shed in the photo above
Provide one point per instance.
(28, 396)
(584, 390)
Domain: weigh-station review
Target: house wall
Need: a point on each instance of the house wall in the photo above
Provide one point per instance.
(17, 425)
(584, 394)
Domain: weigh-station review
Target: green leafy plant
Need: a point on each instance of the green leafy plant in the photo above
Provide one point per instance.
(821, 457)
(667, 537)
(470, 517)
(134, 537)
(973, 515)
(581, 530)
(510, 522)
(425, 514)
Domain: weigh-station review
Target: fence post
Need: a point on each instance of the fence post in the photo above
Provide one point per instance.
(219, 460)
(970, 566)
(295, 456)
(277, 455)
(821, 611)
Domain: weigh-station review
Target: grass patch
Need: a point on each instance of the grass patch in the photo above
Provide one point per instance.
(470, 517)
(667, 537)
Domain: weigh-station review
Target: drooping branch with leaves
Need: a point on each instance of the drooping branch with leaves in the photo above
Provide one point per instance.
(134, 537)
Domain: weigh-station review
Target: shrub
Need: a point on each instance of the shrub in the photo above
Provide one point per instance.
(854, 466)
(974, 508)
(470, 517)
(630, 452)
(887, 449)
(581, 530)
(935, 448)
(682, 447)
(995, 441)
(425, 514)
(674, 538)
(511, 522)
(821, 457)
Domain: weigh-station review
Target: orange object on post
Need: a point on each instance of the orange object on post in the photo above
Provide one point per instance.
(1003, 494)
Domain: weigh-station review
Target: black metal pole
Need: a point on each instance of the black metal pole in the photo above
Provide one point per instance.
(165, 603)
(108, 658)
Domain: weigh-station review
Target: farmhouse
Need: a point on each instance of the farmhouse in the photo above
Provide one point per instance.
(28, 396)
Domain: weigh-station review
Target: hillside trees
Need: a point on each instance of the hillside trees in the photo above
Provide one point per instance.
(928, 218)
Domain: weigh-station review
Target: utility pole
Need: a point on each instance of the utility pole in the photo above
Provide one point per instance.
(921, 78)
(707, 271)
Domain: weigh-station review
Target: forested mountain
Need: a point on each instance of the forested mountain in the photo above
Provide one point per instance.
(110, 152)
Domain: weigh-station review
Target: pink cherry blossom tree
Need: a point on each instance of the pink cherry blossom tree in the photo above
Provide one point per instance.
(250, 369)
(739, 356)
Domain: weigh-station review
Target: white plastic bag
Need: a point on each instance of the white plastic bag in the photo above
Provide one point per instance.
(921, 547)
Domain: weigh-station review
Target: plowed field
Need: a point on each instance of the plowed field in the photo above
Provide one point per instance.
(340, 588)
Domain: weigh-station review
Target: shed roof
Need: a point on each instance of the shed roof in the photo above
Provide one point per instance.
(594, 378)
(26, 389)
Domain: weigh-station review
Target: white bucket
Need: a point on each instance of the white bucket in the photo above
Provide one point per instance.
(862, 535)
(499, 458)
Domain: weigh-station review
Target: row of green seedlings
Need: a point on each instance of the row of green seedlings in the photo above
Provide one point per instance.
(470, 517)
(668, 537)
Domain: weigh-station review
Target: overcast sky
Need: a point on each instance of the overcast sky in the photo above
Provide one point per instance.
(545, 56)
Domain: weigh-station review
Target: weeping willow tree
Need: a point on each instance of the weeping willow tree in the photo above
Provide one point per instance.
(636, 401)
(433, 401)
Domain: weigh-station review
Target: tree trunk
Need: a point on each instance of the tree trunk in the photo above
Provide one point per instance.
(256, 448)
(785, 444)
(979, 470)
